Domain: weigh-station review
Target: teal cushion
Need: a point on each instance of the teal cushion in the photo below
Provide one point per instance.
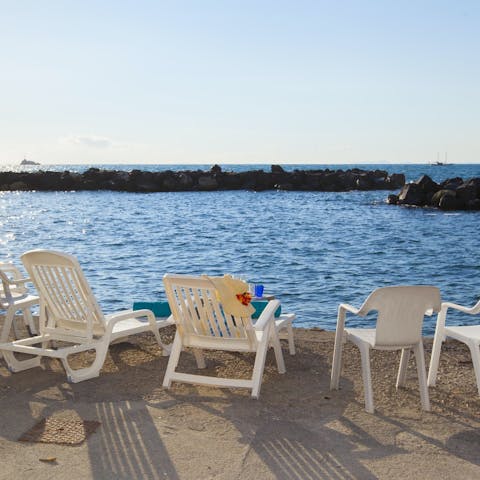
(259, 306)
(159, 309)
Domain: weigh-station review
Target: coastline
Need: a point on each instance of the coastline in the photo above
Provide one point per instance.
(297, 429)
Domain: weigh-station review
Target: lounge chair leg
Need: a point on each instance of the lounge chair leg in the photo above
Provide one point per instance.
(259, 366)
(199, 358)
(475, 353)
(15, 365)
(165, 348)
(277, 348)
(7, 325)
(435, 359)
(367, 378)
(402, 369)
(81, 374)
(291, 343)
(422, 376)
(173, 360)
(30, 324)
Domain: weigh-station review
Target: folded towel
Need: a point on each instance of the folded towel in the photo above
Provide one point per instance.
(233, 295)
(259, 306)
(159, 309)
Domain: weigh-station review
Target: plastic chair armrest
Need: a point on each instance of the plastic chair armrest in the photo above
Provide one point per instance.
(350, 308)
(471, 310)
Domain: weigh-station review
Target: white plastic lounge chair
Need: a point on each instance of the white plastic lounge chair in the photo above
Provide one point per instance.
(69, 313)
(401, 310)
(202, 324)
(14, 296)
(468, 334)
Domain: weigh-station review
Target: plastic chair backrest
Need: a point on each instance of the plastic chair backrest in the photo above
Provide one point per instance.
(401, 310)
(65, 295)
(197, 311)
(8, 273)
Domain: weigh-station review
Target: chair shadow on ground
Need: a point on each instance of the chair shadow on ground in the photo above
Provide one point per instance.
(127, 445)
(294, 437)
(294, 440)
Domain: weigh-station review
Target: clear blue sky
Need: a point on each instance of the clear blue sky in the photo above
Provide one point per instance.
(239, 82)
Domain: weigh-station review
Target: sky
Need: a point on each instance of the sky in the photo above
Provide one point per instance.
(239, 81)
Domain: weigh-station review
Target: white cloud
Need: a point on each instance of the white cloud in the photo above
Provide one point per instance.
(91, 141)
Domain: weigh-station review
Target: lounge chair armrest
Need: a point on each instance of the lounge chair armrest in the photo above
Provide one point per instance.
(268, 315)
(114, 318)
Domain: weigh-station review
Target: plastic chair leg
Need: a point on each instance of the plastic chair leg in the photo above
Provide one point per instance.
(422, 376)
(291, 343)
(475, 353)
(402, 369)
(337, 361)
(435, 359)
(367, 378)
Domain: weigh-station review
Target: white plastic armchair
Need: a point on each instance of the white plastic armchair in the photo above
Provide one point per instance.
(15, 296)
(69, 313)
(400, 313)
(203, 325)
(468, 334)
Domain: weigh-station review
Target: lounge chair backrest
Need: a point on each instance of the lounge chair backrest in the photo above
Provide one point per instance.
(401, 310)
(200, 317)
(68, 308)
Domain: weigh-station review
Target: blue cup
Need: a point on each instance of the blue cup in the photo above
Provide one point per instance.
(259, 291)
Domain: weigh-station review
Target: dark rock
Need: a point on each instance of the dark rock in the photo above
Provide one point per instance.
(185, 180)
(474, 182)
(392, 199)
(466, 193)
(437, 197)
(451, 183)
(19, 186)
(449, 202)
(474, 204)
(284, 186)
(427, 184)
(207, 182)
(411, 194)
(216, 169)
(396, 180)
(364, 182)
(277, 169)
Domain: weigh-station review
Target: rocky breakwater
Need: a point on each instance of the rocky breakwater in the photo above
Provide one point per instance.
(452, 194)
(198, 180)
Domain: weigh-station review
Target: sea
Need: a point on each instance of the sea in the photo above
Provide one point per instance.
(312, 250)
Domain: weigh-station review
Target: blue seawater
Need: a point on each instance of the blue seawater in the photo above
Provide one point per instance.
(313, 250)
